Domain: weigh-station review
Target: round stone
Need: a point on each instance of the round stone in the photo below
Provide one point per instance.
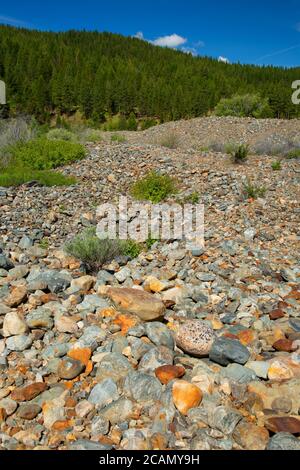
(195, 337)
(70, 368)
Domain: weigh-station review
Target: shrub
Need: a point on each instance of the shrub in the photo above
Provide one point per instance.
(147, 124)
(92, 135)
(132, 123)
(244, 106)
(293, 154)
(170, 140)
(95, 252)
(118, 138)
(61, 134)
(274, 144)
(238, 152)
(116, 123)
(252, 191)
(14, 131)
(276, 166)
(16, 176)
(154, 187)
(43, 154)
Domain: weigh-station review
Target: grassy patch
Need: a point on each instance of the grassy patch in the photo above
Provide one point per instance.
(293, 154)
(118, 138)
(62, 134)
(95, 252)
(154, 187)
(170, 140)
(16, 176)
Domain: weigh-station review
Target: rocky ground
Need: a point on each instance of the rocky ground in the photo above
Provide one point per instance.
(169, 350)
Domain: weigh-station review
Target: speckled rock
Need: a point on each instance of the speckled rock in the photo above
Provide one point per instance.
(195, 337)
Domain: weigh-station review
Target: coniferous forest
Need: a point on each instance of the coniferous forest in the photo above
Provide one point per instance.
(102, 74)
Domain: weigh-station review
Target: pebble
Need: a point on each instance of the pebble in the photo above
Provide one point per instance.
(186, 396)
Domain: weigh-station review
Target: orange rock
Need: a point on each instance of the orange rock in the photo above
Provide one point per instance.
(46, 298)
(3, 415)
(280, 371)
(283, 424)
(158, 441)
(89, 368)
(125, 322)
(167, 373)
(70, 402)
(17, 296)
(186, 396)
(276, 314)
(108, 312)
(285, 345)
(62, 425)
(246, 337)
(28, 393)
(83, 355)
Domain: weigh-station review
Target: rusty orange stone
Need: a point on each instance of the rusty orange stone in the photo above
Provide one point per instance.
(70, 402)
(30, 392)
(3, 415)
(284, 345)
(283, 424)
(108, 312)
(125, 322)
(83, 355)
(62, 425)
(46, 298)
(295, 294)
(167, 373)
(246, 337)
(89, 368)
(186, 396)
(276, 314)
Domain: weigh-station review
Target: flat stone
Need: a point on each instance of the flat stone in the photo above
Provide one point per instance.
(70, 368)
(40, 318)
(28, 411)
(137, 302)
(29, 392)
(19, 343)
(14, 324)
(104, 393)
(284, 441)
(142, 387)
(283, 424)
(195, 337)
(238, 374)
(159, 334)
(225, 351)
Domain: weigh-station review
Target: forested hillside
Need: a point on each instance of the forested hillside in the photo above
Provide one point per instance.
(98, 73)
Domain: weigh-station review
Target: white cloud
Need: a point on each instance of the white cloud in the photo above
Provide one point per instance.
(12, 21)
(139, 35)
(224, 60)
(174, 40)
(190, 50)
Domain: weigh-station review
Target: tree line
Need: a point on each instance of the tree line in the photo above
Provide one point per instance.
(104, 74)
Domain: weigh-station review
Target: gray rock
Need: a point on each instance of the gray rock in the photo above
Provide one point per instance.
(40, 318)
(70, 368)
(5, 263)
(122, 275)
(19, 343)
(56, 350)
(225, 351)
(284, 441)
(205, 277)
(159, 334)
(25, 243)
(91, 338)
(8, 405)
(100, 426)
(156, 357)
(239, 374)
(49, 395)
(118, 411)
(142, 387)
(83, 444)
(259, 367)
(18, 272)
(113, 366)
(224, 419)
(138, 347)
(138, 331)
(295, 324)
(92, 303)
(104, 393)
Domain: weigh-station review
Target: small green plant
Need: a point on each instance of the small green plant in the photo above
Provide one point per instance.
(95, 252)
(93, 136)
(61, 134)
(118, 138)
(150, 242)
(154, 187)
(170, 140)
(253, 191)
(276, 166)
(293, 154)
(239, 152)
(192, 198)
(44, 243)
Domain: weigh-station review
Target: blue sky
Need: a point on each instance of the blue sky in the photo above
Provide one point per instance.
(249, 31)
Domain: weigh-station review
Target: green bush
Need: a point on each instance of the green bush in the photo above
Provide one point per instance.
(95, 252)
(170, 140)
(61, 134)
(132, 123)
(92, 135)
(238, 152)
(147, 124)
(118, 138)
(43, 154)
(244, 106)
(16, 176)
(154, 187)
(276, 166)
(252, 191)
(293, 154)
